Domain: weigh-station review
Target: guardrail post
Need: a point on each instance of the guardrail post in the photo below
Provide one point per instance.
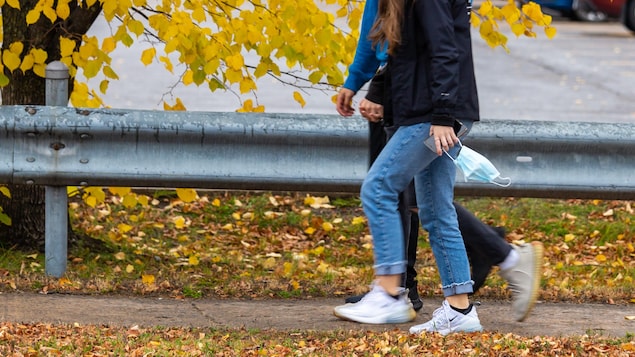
(56, 198)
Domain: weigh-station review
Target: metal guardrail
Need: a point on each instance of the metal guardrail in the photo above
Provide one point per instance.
(62, 146)
(58, 146)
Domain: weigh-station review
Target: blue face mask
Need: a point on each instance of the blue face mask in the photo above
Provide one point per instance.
(476, 167)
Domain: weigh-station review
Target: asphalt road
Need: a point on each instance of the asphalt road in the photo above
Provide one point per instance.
(585, 73)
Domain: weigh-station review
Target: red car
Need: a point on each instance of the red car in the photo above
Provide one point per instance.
(622, 9)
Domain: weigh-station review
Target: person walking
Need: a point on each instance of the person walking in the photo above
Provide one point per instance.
(486, 246)
(433, 87)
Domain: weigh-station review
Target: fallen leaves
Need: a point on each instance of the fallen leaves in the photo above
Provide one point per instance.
(89, 340)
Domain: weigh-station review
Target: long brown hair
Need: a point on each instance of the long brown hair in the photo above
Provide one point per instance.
(387, 26)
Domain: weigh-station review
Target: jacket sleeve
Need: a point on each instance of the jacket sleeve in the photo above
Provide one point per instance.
(366, 61)
(436, 19)
(377, 86)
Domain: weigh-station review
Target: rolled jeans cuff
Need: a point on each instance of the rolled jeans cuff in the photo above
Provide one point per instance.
(458, 289)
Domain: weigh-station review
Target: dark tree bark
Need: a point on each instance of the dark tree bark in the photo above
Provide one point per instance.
(26, 207)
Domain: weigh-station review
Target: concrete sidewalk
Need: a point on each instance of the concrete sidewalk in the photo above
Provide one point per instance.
(547, 319)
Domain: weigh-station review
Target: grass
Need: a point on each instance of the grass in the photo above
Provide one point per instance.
(279, 246)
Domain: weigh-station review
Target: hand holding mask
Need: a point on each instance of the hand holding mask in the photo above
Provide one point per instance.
(476, 167)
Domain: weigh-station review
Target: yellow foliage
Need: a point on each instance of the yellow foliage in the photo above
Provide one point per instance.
(210, 40)
(521, 22)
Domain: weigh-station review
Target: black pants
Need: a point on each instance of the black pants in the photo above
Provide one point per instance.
(484, 245)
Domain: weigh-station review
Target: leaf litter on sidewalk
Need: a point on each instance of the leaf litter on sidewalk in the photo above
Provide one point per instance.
(278, 245)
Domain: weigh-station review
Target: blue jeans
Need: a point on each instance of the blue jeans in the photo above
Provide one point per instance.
(406, 156)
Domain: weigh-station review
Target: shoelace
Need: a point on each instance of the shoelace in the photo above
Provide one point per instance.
(437, 319)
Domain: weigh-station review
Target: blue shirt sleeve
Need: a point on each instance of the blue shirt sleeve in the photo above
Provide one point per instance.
(367, 59)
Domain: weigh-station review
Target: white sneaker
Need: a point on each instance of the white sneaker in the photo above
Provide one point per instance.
(378, 307)
(446, 320)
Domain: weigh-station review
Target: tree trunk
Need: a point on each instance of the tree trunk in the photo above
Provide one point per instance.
(26, 207)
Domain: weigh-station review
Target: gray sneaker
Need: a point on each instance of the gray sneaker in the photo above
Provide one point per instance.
(524, 278)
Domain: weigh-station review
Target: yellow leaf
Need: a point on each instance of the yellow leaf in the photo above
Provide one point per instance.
(108, 45)
(91, 69)
(228, 227)
(148, 55)
(4, 80)
(27, 63)
(110, 73)
(518, 29)
(600, 258)
(485, 8)
(193, 260)
(11, 60)
(179, 222)
(246, 85)
(120, 256)
(67, 46)
(188, 77)
(327, 226)
(119, 191)
(129, 268)
(129, 200)
(124, 228)
(13, 3)
(569, 237)
(358, 220)
(32, 16)
(5, 191)
(186, 194)
(40, 69)
(147, 279)
(63, 10)
(235, 62)
(91, 201)
(298, 98)
(64, 281)
(233, 76)
(216, 202)
(309, 230)
(50, 13)
(168, 64)
(142, 200)
(135, 27)
(295, 284)
(178, 106)
(39, 55)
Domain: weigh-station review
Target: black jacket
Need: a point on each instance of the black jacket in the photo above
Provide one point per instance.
(432, 71)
